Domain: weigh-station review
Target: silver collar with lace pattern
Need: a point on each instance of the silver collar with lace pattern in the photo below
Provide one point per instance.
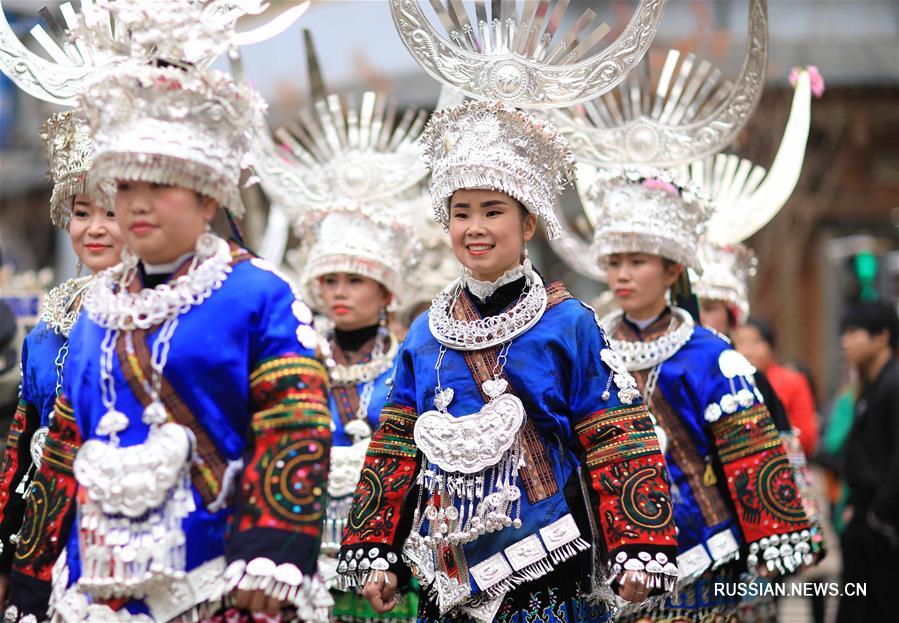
(484, 289)
(644, 355)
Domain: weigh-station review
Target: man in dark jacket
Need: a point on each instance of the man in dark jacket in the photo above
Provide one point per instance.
(871, 464)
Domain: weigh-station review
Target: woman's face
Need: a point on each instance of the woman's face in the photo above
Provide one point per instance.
(748, 341)
(161, 223)
(352, 301)
(95, 235)
(640, 281)
(713, 313)
(488, 232)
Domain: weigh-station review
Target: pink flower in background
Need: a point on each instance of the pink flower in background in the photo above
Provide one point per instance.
(657, 184)
(815, 77)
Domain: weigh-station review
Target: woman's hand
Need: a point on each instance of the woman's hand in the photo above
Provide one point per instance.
(258, 602)
(381, 592)
(632, 586)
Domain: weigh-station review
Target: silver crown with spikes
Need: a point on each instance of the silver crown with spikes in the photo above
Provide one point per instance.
(673, 115)
(69, 151)
(342, 173)
(490, 145)
(167, 121)
(337, 152)
(651, 211)
(727, 271)
(521, 57)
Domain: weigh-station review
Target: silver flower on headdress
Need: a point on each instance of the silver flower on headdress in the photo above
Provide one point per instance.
(488, 145)
(69, 150)
(646, 210)
(362, 239)
(167, 122)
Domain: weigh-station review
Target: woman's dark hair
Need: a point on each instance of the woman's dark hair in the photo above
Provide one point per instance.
(875, 317)
(765, 330)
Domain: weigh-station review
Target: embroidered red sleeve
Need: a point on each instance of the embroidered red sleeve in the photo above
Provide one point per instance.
(760, 481)
(627, 472)
(13, 477)
(280, 502)
(388, 474)
(50, 508)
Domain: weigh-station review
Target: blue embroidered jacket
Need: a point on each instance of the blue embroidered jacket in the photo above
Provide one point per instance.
(577, 419)
(242, 375)
(723, 451)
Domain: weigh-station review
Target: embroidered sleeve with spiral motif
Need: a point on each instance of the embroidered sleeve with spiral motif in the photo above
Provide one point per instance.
(280, 502)
(627, 473)
(375, 532)
(760, 481)
(16, 464)
(49, 514)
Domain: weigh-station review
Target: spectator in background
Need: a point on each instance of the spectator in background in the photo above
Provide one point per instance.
(870, 542)
(756, 341)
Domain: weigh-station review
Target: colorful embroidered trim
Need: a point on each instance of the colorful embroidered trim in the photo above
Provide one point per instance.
(387, 477)
(627, 472)
(759, 475)
(394, 435)
(49, 511)
(283, 484)
(15, 465)
(682, 451)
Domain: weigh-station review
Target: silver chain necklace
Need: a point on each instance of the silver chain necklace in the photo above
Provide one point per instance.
(112, 306)
(359, 428)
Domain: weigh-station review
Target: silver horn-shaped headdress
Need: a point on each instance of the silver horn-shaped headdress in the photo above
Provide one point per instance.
(339, 152)
(522, 58)
(341, 173)
(57, 75)
(747, 197)
(672, 115)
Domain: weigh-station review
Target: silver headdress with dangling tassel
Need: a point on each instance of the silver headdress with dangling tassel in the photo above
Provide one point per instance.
(655, 124)
(167, 121)
(484, 144)
(647, 211)
(69, 150)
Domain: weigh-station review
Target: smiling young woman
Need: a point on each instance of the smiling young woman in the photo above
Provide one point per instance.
(95, 238)
(499, 398)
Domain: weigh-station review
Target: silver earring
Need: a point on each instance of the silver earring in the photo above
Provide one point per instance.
(79, 266)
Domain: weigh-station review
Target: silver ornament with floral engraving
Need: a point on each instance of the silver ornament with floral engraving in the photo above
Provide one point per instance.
(673, 115)
(518, 54)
